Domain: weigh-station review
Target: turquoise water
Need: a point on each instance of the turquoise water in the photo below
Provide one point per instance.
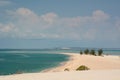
(28, 61)
(17, 60)
(112, 52)
(105, 51)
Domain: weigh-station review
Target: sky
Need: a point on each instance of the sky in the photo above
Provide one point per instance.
(59, 23)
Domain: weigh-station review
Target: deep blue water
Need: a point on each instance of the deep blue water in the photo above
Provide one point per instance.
(21, 60)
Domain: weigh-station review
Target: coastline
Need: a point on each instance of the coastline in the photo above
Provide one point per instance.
(53, 69)
(107, 62)
(103, 68)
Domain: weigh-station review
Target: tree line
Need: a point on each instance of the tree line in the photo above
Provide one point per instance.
(92, 52)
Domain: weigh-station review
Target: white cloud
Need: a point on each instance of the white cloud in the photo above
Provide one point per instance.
(27, 18)
(99, 15)
(51, 25)
(24, 14)
(5, 2)
(49, 18)
(6, 28)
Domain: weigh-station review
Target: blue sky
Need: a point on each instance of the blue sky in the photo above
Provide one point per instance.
(59, 23)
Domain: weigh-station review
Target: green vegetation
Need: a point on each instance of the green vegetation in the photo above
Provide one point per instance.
(81, 52)
(100, 51)
(92, 52)
(82, 67)
(66, 69)
(86, 51)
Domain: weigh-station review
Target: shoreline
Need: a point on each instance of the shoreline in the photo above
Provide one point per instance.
(60, 64)
(108, 62)
(110, 69)
(75, 60)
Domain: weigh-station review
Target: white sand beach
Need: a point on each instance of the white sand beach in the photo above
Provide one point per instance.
(93, 62)
(101, 68)
(73, 75)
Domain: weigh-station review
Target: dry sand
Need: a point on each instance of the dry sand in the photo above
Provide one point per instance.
(93, 62)
(102, 68)
(73, 75)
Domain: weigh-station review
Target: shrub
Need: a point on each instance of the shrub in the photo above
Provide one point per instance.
(66, 69)
(82, 67)
(81, 52)
(92, 52)
(86, 51)
(100, 51)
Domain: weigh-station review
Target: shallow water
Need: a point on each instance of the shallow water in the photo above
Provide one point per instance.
(28, 61)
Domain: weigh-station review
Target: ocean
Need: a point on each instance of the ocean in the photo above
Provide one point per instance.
(14, 61)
